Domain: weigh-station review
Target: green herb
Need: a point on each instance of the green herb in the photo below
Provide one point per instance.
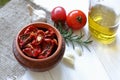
(72, 38)
(3, 2)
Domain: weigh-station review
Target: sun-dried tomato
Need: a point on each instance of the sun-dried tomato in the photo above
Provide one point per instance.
(38, 42)
(47, 47)
(32, 52)
(28, 38)
(49, 33)
(30, 29)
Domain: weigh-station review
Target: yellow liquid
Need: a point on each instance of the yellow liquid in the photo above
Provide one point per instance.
(102, 22)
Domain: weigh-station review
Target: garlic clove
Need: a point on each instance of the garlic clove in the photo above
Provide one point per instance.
(70, 55)
(36, 18)
(69, 61)
(78, 51)
(39, 12)
(37, 15)
(30, 8)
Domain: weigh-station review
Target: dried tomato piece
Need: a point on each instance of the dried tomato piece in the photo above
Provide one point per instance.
(30, 29)
(47, 47)
(28, 52)
(29, 46)
(28, 39)
(32, 52)
(39, 38)
(22, 38)
(55, 42)
(49, 33)
(36, 52)
(47, 43)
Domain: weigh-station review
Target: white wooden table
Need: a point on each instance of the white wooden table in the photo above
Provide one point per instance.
(102, 63)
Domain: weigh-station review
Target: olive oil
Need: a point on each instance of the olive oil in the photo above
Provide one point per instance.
(102, 23)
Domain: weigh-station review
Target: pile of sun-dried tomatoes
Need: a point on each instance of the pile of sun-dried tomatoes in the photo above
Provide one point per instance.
(38, 42)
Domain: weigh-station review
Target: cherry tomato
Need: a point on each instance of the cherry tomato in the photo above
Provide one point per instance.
(58, 14)
(76, 19)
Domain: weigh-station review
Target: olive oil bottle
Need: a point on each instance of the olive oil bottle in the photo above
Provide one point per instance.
(102, 23)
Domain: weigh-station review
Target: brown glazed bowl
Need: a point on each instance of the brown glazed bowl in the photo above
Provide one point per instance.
(39, 64)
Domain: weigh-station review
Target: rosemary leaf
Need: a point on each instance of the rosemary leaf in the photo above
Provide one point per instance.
(69, 37)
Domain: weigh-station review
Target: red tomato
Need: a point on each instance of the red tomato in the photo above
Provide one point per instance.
(58, 14)
(76, 19)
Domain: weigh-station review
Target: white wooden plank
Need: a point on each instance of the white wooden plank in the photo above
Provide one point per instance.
(30, 75)
(109, 56)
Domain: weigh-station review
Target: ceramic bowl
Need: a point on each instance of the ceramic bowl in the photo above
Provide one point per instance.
(39, 64)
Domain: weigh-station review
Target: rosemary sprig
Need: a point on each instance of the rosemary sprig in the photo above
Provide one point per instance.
(72, 38)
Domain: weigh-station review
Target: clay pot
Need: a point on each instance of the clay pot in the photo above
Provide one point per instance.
(39, 64)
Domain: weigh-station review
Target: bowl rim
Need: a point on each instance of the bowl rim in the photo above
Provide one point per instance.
(59, 37)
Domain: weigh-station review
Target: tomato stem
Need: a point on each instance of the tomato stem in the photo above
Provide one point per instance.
(79, 19)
